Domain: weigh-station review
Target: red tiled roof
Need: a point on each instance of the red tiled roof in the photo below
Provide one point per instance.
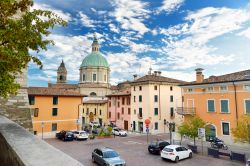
(232, 77)
(46, 91)
(121, 93)
(64, 86)
(95, 101)
(154, 78)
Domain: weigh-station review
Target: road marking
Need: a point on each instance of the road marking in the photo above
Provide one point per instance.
(132, 142)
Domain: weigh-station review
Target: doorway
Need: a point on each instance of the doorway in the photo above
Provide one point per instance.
(125, 124)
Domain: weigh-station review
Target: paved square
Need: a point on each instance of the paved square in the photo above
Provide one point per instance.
(133, 150)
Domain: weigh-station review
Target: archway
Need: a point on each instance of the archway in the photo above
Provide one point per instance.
(211, 132)
(91, 117)
(92, 94)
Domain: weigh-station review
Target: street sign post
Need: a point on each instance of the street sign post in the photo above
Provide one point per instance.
(42, 125)
(147, 122)
(201, 134)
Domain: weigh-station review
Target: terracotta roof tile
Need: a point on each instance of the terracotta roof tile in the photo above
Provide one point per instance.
(95, 101)
(47, 91)
(121, 93)
(154, 78)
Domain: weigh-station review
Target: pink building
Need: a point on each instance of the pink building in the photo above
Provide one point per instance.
(119, 112)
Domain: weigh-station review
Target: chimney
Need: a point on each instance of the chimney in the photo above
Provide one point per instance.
(155, 73)
(159, 73)
(199, 75)
(135, 76)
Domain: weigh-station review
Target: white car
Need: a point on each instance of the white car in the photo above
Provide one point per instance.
(92, 124)
(176, 153)
(248, 162)
(120, 132)
(81, 135)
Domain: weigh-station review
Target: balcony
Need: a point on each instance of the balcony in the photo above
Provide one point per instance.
(186, 110)
(139, 116)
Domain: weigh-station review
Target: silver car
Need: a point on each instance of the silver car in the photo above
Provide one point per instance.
(107, 157)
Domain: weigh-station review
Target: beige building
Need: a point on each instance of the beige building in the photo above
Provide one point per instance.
(155, 97)
(94, 110)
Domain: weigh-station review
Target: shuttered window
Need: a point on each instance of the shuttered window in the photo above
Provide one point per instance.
(247, 104)
(224, 106)
(225, 128)
(210, 106)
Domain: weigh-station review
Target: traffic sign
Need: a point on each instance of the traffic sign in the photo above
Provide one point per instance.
(201, 132)
(147, 130)
(147, 121)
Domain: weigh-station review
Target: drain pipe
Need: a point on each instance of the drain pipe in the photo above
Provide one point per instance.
(236, 105)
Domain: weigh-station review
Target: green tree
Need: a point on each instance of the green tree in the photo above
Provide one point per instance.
(21, 31)
(190, 127)
(242, 131)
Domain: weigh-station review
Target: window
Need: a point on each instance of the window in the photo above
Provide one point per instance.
(118, 115)
(122, 110)
(225, 128)
(210, 89)
(87, 111)
(95, 111)
(54, 111)
(55, 100)
(94, 77)
(155, 87)
(128, 101)
(210, 106)
(156, 125)
(32, 100)
(118, 104)
(223, 88)
(83, 77)
(140, 88)
(247, 106)
(36, 111)
(109, 114)
(129, 111)
(190, 90)
(92, 94)
(134, 98)
(156, 111)
(171, 88)
(100, 112)
(224, 106)
(35, 132)
(109, 103)
(171, 98)
(172, 111)
(61, 77)
(54, 127)
(105, 78)
(134, 111)
(123, 101)
(140, 112)
(134, 88)
(247, 87)
(140, 98)
(156, 98)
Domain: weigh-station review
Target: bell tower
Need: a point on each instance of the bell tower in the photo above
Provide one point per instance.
(61, 74)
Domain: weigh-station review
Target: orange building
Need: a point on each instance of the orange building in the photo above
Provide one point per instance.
(218, 100)
(54, 109)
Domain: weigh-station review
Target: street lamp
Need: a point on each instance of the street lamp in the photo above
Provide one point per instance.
(42, 125)
(171, 127)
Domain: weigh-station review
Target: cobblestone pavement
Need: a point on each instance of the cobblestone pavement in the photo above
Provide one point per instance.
(133, 150)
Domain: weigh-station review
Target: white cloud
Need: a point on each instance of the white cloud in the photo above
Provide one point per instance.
(188, 44)
(170, 5)
(60, 13)
(114, 28)
(131, 14)
(85, 20)
(245, 33)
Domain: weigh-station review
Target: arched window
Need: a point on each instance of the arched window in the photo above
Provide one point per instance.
(211, 132)
(94, 77)
(92, 94)
(83, 77)
(61, 77)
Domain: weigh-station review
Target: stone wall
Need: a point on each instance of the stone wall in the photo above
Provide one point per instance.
(20, 147)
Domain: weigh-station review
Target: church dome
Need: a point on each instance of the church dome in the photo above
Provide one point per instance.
(95, 59)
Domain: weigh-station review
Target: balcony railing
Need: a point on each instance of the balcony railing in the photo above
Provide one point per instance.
(186, 110)
(139, 116)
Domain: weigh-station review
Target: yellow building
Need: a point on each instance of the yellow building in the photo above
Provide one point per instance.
(94, 109)
(54, 109)
(218, 100)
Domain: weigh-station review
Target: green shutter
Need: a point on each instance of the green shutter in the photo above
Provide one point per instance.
(247, 102)
(156, 111)
(224, 106)
(225, 127)
(211, 107)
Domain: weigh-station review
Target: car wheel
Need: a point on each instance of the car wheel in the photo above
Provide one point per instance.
(93, 159)
(176, 159)
(190, 155)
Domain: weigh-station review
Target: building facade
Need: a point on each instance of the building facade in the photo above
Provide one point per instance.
(119, 109)
(155, 97)
(219, 100)
(54, 109)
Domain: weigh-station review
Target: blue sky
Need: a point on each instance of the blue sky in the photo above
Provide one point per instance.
(173, 36)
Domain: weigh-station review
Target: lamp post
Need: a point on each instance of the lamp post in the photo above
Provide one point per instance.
(171, 126)
(42, 125)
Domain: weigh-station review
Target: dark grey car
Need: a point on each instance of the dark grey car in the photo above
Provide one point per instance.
(107, 157)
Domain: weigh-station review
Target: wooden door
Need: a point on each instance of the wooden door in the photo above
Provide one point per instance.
(125, 124)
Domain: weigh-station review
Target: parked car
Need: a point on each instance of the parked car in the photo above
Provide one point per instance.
(65, 135)
(92, 124)
(248, 162)
(120, 132)
(176, 153)
(80, 135)
(107, 157)
(155, 147)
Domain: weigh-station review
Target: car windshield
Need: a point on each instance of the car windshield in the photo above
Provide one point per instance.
(82, 132)
(168, 150)
(69, 133)
(110, 154)
(154, 143)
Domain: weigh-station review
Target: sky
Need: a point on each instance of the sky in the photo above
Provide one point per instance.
(171, 36)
